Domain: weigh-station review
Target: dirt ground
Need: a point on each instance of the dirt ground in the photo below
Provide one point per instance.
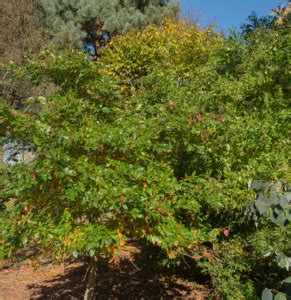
(125, 281)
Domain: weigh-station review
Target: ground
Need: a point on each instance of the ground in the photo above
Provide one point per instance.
(126, 280)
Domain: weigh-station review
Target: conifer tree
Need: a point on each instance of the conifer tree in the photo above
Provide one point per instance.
(68, 20)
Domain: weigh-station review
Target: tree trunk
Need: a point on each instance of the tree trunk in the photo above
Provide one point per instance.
(90, 293)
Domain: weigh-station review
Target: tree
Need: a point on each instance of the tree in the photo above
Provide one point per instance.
(156, 140)
(255, 23)
(278, 17)
(21, 38)
(70, 21)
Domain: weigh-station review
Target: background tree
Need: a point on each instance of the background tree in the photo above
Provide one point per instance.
(21, 38)
(279, 16)
(255, 23)
(68, 20)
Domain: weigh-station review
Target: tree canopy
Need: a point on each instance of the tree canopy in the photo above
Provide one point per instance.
(68, 20)
(155, 140)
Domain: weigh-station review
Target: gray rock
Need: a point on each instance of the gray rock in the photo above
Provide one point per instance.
(16, 152)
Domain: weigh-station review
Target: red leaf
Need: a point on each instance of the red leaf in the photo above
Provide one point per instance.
(198, 116)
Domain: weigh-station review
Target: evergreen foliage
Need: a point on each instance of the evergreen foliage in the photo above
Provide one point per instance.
(254, 23)
(67, 20)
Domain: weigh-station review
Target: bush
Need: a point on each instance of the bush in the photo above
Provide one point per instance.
(157, 146)
(273, 203)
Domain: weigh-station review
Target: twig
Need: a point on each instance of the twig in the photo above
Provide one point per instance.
(216, 258)
(4, 77)
(86, 273)
(136, 267)
(186, 262)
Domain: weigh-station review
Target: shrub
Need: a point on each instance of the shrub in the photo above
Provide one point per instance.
(160, 149)
(273, 202)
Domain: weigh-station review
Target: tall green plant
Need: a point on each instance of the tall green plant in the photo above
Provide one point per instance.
(67, 19)
(157, 144)
(273, 202)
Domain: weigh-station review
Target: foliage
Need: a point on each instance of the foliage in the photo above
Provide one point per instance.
(156, 140)
(22, 37)
(67, 20)
(256, 23)
(274, 203)
(280, 16)
(21, 34)
(175, 49)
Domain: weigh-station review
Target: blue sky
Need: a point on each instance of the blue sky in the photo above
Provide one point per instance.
(226, 13)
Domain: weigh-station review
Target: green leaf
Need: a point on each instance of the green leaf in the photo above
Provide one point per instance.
(288, 196)
(287, 280)
(2, 255)
(280, 296)
(283, 261)
(24, 241)
(135, 213)
(258, 185)
(283, 201)
(267, 295)
(255, 185)
(281, 219)
(267, 253)
(274, 199)
(261, 205)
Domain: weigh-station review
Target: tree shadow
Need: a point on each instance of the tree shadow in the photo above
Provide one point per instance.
(123, 281)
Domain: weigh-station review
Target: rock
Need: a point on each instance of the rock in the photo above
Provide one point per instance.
(15, 152)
